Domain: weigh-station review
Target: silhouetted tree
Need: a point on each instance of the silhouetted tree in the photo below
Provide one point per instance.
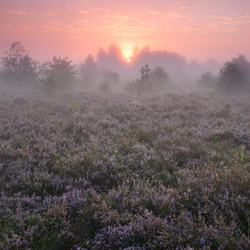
(244, 64)
(159, 79)
(111, 76)
(207, 80)
(150, 80)
(145, 76)
(109, 80)
(59, 74)
(18, 67)
(231, 78)
(88, 70)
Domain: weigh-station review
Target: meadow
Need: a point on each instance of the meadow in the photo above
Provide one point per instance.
(112, 171)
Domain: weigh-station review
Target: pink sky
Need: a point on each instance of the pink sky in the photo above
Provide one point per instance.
(196, 29)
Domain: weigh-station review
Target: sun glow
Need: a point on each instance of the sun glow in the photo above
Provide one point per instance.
(127, 51)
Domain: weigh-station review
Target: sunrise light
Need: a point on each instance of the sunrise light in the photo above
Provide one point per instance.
(128, 60)
(124, 124)
(77, 29)
(127, 51)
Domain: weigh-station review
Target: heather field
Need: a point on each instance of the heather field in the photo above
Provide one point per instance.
(91, 171)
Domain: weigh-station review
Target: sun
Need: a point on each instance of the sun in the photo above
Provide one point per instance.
(127, 51)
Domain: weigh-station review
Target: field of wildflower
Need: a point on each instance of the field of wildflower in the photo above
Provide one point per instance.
(91, 171)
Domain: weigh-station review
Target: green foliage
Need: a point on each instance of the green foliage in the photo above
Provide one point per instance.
(242, 154)
(216, 139)
(74, 105)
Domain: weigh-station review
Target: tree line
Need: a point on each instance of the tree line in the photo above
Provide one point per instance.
(234, 76)
(19, 69)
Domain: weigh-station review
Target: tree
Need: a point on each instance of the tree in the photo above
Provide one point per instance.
(109, 80)
(244, 64)
(159, 78)
(18, 67)
(111, 76)
(145, 77)
(232, 78)
(88, 70)
(207, 80)
(150, 80)
(59, 74)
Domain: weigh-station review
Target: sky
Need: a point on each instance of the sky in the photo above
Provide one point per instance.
(196, 29)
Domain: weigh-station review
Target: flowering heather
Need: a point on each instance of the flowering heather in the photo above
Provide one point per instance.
(90, 171)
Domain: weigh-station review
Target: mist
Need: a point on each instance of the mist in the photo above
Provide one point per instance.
(144, 71)
(179, 68)
(124, 125)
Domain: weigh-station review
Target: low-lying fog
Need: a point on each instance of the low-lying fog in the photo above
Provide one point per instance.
(146, 71)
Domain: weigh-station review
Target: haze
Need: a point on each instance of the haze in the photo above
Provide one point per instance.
(196, 29)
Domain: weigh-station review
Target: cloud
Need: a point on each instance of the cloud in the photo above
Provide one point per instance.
(27, 27)
(80, 25)
(233, 20)
(153, 12)
(50, 25)
(84, 11)
(16, 12)
(125, 17)
(98, 9)
(174, 15)
(49, 13)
